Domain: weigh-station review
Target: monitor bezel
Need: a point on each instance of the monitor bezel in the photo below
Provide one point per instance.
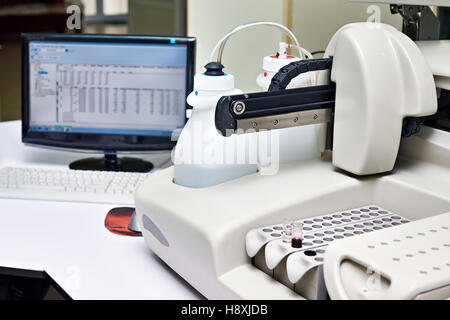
(95, 141)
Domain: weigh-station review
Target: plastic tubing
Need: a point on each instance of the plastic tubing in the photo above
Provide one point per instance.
(221, 43)
(305, 52)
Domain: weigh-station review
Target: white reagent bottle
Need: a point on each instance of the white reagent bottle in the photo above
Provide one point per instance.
(297, 143)
(202, 156)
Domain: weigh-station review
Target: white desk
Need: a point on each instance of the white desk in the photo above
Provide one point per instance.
(69, 240)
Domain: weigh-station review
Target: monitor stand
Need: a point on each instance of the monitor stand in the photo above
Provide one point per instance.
(110, 162)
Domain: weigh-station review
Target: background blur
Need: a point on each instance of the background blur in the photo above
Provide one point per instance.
(312, 21)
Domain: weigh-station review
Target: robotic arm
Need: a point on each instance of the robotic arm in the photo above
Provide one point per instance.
(375, 85)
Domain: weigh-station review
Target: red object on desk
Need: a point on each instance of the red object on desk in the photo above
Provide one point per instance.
(118, 219)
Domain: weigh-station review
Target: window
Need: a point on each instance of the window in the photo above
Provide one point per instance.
(108, 11)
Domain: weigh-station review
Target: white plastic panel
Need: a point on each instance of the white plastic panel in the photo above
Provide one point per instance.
(436, 53)
(442, 82)
(381, 77)
(381, 265)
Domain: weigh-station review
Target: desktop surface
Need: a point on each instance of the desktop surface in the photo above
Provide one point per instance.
(80, 254)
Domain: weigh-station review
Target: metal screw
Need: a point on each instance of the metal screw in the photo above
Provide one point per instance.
(254, 124)
(275, 122)
(315, 117)
(295, 119)
(239, 107)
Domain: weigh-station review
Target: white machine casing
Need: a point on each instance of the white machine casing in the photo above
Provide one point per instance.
(200, 232)
(391, 255)
(436, 53)
(381, 77)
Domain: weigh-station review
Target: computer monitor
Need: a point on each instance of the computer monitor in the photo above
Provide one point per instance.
(107, 93)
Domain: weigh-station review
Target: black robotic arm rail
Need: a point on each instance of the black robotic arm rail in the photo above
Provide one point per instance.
(233, 111)
(284, 76)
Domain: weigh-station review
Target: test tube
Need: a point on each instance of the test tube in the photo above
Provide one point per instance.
(297, 234)
(287, 231)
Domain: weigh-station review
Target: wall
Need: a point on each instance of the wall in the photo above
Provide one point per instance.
(209, 20)
(314, 22)
(10, 80)
(157, 17)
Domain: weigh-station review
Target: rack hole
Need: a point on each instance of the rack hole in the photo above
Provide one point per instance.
(319, 259)
(319, 234)
(276, 235)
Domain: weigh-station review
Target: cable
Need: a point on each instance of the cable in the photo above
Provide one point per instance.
(221, 43)
(300, 49)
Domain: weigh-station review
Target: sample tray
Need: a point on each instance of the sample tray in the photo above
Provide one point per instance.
(301, 268)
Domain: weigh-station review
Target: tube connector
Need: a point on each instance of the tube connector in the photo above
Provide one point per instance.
(282, 51)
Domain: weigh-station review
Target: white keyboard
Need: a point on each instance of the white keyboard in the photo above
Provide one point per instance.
(69, 185)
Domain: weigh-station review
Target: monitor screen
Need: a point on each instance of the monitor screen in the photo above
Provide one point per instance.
(105, 92)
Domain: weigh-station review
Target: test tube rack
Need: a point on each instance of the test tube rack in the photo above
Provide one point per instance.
(301, 269)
